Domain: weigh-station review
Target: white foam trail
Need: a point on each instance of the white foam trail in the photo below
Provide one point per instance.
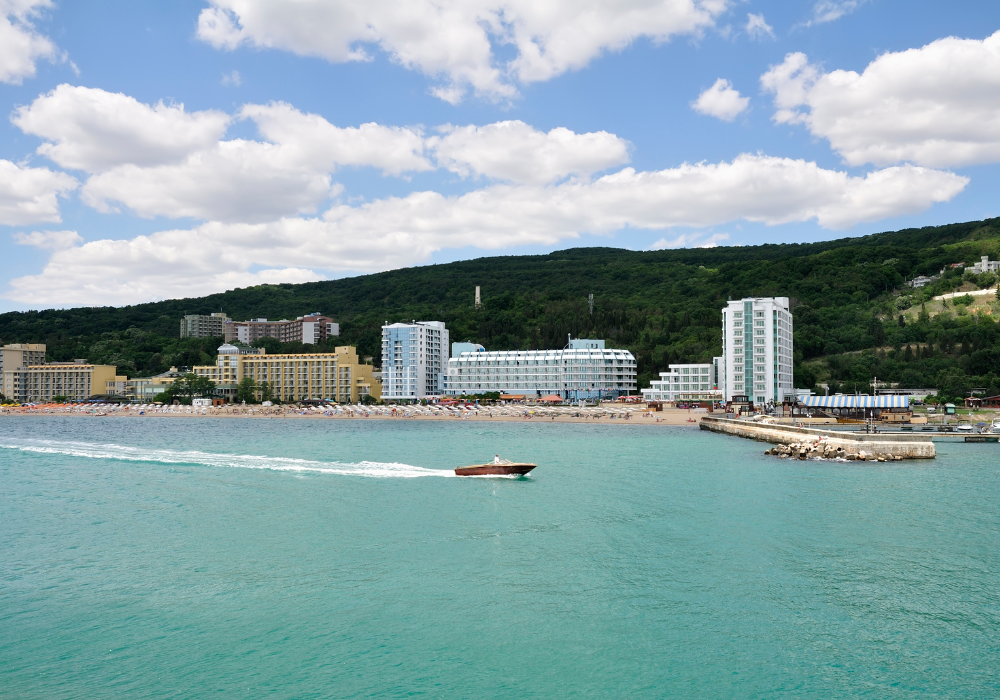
(196, 457)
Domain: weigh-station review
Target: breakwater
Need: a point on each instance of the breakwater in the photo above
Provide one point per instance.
(806, 442)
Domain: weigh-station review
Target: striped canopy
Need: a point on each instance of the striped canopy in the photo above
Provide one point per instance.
(856, 401)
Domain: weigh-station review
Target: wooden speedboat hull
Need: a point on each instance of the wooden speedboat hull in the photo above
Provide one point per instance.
(518, 469)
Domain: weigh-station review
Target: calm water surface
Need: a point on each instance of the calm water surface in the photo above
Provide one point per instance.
(313, 559)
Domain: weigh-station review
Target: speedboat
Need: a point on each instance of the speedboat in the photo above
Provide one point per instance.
(964, 427)
(501, 468)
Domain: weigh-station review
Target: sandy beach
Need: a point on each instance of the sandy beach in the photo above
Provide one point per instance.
(615, 414)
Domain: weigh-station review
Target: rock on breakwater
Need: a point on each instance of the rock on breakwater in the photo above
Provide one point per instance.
(803, 443)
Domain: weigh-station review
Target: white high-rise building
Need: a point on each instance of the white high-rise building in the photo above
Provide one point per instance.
(414, 360)
(757, 350)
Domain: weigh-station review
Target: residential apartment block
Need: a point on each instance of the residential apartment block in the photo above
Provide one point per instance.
(757, 350)
(414, 360)
(200, 326)
(583, 370)
(311, 329)
(337, 376)
(686, 382)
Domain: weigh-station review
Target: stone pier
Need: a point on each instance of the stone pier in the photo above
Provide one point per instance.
(818, 442)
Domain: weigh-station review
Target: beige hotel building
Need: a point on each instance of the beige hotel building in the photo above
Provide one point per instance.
(337, 376)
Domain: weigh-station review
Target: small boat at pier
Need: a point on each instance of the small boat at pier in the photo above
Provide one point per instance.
(501, 468)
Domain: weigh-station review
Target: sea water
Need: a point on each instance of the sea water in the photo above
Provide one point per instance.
(244, 558)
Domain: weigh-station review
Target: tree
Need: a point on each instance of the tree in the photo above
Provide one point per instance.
(953, 384)
(189, 386)
(271, 345)
(246, 390)
(266, 393)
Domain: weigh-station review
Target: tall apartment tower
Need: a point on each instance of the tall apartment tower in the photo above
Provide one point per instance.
(414, 360)
(201, 326)
(757, 350)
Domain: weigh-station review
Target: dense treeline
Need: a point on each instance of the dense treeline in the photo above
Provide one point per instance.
(662, 305)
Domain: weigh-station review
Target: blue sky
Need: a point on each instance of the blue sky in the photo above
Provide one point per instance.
(160, 150)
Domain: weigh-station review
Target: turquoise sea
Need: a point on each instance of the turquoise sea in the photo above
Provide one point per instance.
(232, 558)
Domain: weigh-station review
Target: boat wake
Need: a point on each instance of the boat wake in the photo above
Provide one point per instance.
(383, 470)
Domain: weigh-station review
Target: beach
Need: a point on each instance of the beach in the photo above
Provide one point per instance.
(614, 414)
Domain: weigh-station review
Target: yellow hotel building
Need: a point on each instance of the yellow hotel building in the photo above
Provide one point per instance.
(25, 376)
(337, 376)
(74, 380)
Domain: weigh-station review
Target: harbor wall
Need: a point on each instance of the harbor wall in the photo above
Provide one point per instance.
(854, 445)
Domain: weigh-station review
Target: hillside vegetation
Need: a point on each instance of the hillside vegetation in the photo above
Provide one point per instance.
(854, 316)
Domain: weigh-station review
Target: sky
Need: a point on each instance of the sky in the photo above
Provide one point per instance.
(159, 150)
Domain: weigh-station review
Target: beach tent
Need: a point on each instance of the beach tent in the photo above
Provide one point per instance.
(854, 401)
(552, 398)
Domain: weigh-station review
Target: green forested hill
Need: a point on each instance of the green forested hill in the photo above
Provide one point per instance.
(663, 305)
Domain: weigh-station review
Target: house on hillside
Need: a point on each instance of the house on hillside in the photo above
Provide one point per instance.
(985, 265)
(920, 281)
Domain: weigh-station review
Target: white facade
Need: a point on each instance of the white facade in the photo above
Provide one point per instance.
(757, 350)
(690, 382)
(414, 360)
(986, 265)
(588, 370)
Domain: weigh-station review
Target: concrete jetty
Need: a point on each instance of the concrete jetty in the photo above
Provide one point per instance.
(806, 442)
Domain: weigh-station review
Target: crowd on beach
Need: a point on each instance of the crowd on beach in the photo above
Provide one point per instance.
(604, 412)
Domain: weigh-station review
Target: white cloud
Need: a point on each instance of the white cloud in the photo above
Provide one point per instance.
(721, 101)
(830, 10)
(20, 45)
(30, 195)
(454, 39)
(251, 181)
(50, 240)
(309, 140)
(790, 81)
(236, 180)
(93, 130)
(938, 105)
(516, 152)
(233, 78)
(691, 240)
(398, 231)
(163, 161)
(757, 27)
